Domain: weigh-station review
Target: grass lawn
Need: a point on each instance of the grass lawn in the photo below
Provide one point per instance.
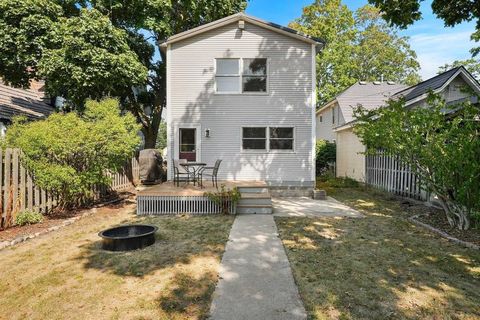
(380, 266)
(65, 274)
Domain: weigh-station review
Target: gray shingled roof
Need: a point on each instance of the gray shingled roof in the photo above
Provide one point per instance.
(15, 101)
(368, 94)
(429, 84)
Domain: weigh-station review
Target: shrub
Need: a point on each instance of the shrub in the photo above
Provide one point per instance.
(68, 154)
(28, 217)
(325, 154)
(224, 196)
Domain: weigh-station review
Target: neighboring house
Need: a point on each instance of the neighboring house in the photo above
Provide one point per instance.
(243, 90)
(350, 160)
(21, 102)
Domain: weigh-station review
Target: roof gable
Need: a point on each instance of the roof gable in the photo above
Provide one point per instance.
(242, 16)
(436, 84)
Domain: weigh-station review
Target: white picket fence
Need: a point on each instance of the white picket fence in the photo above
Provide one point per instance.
(157, 204)
(389, 174)
(19, 192)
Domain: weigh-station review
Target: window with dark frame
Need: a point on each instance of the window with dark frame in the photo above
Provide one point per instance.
(333, 115)
(254, 138)
(254, 77)
(281, 138)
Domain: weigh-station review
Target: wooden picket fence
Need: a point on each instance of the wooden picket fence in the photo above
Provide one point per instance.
(18, 191)
(390, 174)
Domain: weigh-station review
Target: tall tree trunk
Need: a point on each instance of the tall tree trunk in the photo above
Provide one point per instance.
(150, 132)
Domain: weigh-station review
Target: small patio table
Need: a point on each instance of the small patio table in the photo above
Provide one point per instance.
(195, 167)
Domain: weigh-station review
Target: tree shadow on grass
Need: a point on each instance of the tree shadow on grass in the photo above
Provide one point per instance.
(187, 295)
(178, 240)
(380, 267)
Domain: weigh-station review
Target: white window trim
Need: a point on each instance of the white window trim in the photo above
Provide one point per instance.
(241, 92)
(267, 145)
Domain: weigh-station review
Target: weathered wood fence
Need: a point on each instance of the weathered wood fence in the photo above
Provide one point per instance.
(19, 192)
(391, 175)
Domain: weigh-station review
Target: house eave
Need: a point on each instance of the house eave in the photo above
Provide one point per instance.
(242, 16)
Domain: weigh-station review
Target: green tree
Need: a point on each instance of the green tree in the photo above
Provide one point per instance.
(162, 136)
(405, 12)
(70, 153)
(102, 47)
(442, 150)
(472, 65)
(333, 22)
(359, 46)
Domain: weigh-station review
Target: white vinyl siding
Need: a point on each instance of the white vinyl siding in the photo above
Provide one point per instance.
(286, 103)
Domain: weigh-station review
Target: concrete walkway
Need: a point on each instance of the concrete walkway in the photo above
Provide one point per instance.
(307, 207)
(256, 281)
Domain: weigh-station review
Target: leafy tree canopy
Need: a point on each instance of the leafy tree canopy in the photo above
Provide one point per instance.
(359, 46)
(441, 144)
(405, 12)
(70, 153)
(89, 49)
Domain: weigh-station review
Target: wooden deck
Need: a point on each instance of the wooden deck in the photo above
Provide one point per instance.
(169, 189)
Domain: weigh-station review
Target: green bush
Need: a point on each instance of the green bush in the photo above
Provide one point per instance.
(223, 197)
(28, 217)
(68, 154)
(325, 153)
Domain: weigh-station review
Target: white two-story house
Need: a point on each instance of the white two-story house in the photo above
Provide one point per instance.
(242, 90)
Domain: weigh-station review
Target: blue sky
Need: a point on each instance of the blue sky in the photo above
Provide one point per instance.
(434, 44)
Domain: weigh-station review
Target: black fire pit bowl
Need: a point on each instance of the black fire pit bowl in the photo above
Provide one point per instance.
(130, 237)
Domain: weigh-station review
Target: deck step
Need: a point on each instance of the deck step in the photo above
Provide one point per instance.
(254, 209)
(255, 202)
(252, 189)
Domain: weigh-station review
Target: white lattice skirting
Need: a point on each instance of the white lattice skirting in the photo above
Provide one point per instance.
(147, 205)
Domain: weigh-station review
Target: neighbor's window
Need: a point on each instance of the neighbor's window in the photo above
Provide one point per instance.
(254, 138)
(333, 115)
(227, 76)
(254, 77)
(281, 138)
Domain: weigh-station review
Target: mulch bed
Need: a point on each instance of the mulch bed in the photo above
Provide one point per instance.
(437, 219)
(53, 220)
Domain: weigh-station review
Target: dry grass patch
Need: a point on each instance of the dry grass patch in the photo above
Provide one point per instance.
(380, 266)
(65, 274)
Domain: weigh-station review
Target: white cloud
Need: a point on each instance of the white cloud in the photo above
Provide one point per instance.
(434, 50)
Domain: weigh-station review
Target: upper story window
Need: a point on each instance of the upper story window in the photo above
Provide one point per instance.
(333, 115)
(251, 79)
(227, 75)
(254, 75)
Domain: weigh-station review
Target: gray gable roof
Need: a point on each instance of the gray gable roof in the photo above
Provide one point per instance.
(370, 95)
(430, 84)
(16, 102)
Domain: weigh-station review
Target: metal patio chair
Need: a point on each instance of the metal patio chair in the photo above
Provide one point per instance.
(213, 174)
(179, 172)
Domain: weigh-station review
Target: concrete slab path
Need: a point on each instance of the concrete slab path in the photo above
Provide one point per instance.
(256, 280)
(307, 207)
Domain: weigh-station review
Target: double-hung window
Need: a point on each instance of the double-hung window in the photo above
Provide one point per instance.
(278, 138)
(281, 138)
(254, 138)
(227, 77)
(254, 78)
(233, 75)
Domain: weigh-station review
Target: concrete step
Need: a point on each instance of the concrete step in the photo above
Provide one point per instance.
(252, 189)
(252, 209)
(255, 201)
